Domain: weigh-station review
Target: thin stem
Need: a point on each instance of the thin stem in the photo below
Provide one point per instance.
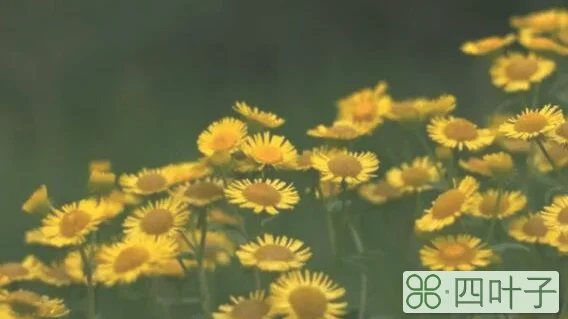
(332, 236)
(91, 299)
(363, 276)
(550, 160)
(494, 219)
(257, 281)
(430, 152)
(202, 278)
(535, 95)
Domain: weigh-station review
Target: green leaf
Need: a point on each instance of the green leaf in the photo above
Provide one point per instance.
(502, 247)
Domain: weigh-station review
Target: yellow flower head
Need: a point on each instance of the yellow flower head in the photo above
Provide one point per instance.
(407, 110)
(74, 266)
(224, 135)
(461, 252)
(306, 294)
(55, 275)
(274, 253)
(26, 304)
(148, 181)
(517, 71)
(490, 165)
(459, 133)
(255, 306)
(164, 217)
(558, 153)
(100, 166)
(542, 21)
(365, 107)
(219, 248)
(218, 216)
(339, 130)
(378, 192)
(189, 171)
(510, 203)
(340, 166)
(555, 216)
(262, 195)
(558, 240)
(201, 192)
(270, 150)
(533, 123)
(534, 42)
(559, 134)
(441, 106)
(101, 182)
(416, 176)
(38, 202)
(450, 205)
(27, 269)
(487, 45)
(530, 229)
(258, 117)
(125, 261)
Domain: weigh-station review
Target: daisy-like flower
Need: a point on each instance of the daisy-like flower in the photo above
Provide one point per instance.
(365, 107)
(110, 208)
(273, 253)
(339, 130)
(219, 248)
(74, 266)
(36, 237)
(542, 21)
(461, 252)
(55, 275)
(555, 216)
(189, 171)
(148, 181)
(27, 304)
(262, 195)
(127, 260)
(224, 135)
(164, 217)
(270, 150)
(459, 133)
(416, 176)
(407, 110)
(254, 306)
(25, 270)
(516, 71)
(559, 240)
(559, 134)
(218, 216)
(201, 192)
(490, 165)
(557, 152)
(533, 123)
(257, 117)
(440, 106)
(307, 295)
(101, 182)
(70, 224)
(510, 203)
(535, 42)
(38, 202)
(450, 205)
(340, 166)
(487, 45)
(529, 229)
(378, 192)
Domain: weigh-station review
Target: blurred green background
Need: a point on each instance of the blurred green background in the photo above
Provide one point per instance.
(136, 81)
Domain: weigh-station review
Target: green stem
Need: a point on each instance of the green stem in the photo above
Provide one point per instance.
(494, 218)
(535, 95)
(332, 236)
(91, 298)
(363, 276)
(202, 278)
(257, 281)
(431, 154)
(551, 160)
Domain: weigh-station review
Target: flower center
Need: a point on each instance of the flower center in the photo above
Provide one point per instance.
(73, 223)
(250, 309)
(535, 227)
(13, 270)
(562, 130)
(343, 130)
(262, 194)
(268, 154)
(344, 165)
(273, 252)
(224, 141)
(131, 258)
(364, 111)
(415, 176)
(461, 130)
(521, 69)
(204, 191)
(563, 216)
(152, 182)
(489, 204)
(448, 204)
(308, 303)
(157, 221)
(453, 251)
(530, 123)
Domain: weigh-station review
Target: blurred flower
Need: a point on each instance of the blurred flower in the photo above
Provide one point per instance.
(548, 20)
(510, 203)
(558, 154)
(262, 195)
(218, 216)
(533, 123)
(529, 228)
(559, 134)
(378, 192)
(416, 176)
(459, 133)
(487, 45)
(497, 165)
(201, 192)
(555, 216)
(25, 270)
(535, 42)
(27, 304)
(100, 166)
(517, 71)
(339, 130)
(461, 252)
(365, 107)
(559, 240)
(345, 166)
(219, 249)
(274, 253)
(164, 217)
(258, 117)
(148, 181)
(38, 202)
(189, 171)
(101, 183)
(55, 275)
(255, 306)
(74, 266)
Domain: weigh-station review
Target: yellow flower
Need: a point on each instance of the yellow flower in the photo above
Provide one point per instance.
(36, 237)
(101, 182)
(416, 176)
(100, 166)
(345, 166)
(273, 253)
(535, 42)
(219, 248)
(125, 261)
(530, 229)
(555, 216)
(164, 217)
(120, 197)
(459, 133)
(258, 117)
(510, 144)
(407, 110)
(27, 305)
(559, 134)
(542, 21)
(450, 253)
(172, 268)
(270, 150)
(148, 181)
(440, 106)
(516, 71)
(365, 107)
(449, 205)
(71, 224)
(25, 270)
(38, 202)
(262, 195)
(558, 240)
(54, 275)
(189, 171)
(487, 45)
(339, 130)
(218, 216)
(490, 165)
(255, 306)
(533, 123)
(110, 208)
(378, 192)
(7, 313)
(557, 152)
(510, 203)
(307, 295)
(226, 134)
(74, 266)
(201, 192)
